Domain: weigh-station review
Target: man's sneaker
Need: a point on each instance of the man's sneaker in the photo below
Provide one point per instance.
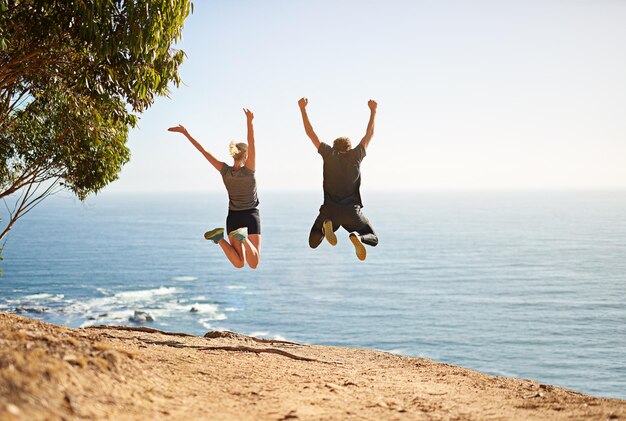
(361, 253)
(240, 234)
(327, 229)
(214, 235)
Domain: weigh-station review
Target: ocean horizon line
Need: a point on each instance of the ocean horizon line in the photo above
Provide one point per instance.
(379, 190)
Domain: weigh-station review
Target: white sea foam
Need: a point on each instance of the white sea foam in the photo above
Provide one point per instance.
(110, 307)
(44, 296)
(235, 287)
(231, 309)
(120, 306)
(205, 324)
(37, 296)
(175, 308)
(209, 309)
(9, 301)
(267, 335)
(112, 317)
(184, 278)
(209, 326)
(142, 294)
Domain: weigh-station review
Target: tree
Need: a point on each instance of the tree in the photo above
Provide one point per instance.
(74, 76)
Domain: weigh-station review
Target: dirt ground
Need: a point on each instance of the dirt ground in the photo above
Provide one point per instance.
(52, 372)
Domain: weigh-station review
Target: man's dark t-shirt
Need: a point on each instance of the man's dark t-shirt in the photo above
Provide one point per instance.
(342, 175)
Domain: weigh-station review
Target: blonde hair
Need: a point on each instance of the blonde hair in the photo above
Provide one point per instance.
(342, 144)
(238, 150)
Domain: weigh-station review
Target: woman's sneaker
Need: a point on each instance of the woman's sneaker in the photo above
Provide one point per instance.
(240, 234)
(329, 234)
(361, 253)
(214, 235)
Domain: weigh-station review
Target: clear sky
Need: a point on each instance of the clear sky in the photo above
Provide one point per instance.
(472, 95)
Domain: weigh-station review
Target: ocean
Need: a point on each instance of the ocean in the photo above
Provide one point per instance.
(526, 284)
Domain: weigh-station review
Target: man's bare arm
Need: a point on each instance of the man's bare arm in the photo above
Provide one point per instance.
(214, 161)
(302, 103)
(369, 133)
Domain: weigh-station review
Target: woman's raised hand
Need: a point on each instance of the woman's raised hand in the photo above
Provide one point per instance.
(249, 114)
(178, 129)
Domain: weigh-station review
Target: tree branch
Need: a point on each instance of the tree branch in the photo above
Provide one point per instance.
(28, 199)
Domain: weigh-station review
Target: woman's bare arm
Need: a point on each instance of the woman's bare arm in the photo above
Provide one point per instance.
(214, 161)
(251, 161)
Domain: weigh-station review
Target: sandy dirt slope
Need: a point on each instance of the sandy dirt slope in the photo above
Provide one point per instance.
(52, 372)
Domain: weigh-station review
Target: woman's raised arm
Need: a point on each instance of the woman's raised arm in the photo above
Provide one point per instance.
(251, 161)
(214, 161)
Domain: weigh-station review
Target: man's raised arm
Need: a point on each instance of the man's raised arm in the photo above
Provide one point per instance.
(302, 103)
(370, 125)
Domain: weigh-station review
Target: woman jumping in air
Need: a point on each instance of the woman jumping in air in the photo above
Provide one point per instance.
(243, 223)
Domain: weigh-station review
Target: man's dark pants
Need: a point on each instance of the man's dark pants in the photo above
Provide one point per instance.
(349, 217)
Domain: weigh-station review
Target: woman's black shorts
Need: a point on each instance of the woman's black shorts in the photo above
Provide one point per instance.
(246, 218)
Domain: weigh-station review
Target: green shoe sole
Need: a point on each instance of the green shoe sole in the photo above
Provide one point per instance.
(214, 235)
(240, 234)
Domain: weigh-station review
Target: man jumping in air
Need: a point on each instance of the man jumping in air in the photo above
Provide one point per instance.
(342, 180)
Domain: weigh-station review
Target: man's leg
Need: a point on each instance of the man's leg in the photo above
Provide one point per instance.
(357, 222)
(361, 232)
(317, 231)
(316, 235)
(367, 235)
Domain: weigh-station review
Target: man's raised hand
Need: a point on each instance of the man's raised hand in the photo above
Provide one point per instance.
(372, 104)
(303, 102)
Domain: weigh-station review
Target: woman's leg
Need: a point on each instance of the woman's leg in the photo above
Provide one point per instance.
(233, 251)
(253, 250)
(233, 248)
